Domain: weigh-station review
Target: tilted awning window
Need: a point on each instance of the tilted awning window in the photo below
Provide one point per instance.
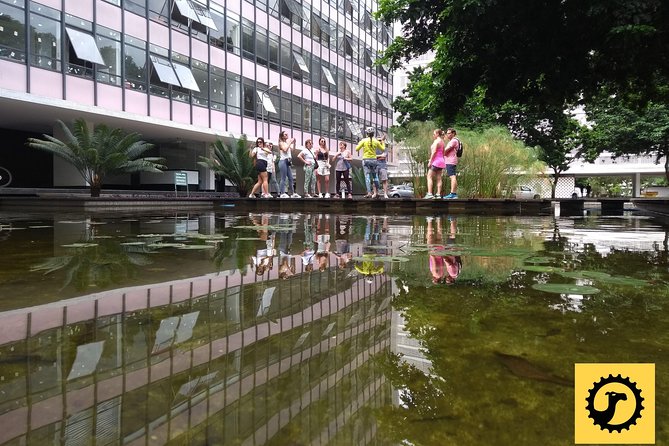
(186, 77)
(300, 61)
(186, 10)
(294, 7)
(203, 15)
(355, 88)
(372, 96)
(84, 46)
(385, 102)
(354, 127)
(267, 102)
(328, 76)
(323, 25)
(165, 71)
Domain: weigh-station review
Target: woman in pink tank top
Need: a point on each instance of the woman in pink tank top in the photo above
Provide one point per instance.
(436, 164)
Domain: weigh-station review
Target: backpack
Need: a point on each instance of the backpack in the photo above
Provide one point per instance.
(460, 148)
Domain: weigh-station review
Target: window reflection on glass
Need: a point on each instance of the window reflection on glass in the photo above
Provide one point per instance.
(45, 35)
(12, 33)
(135, 65)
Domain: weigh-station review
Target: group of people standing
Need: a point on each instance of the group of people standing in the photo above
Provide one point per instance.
(443, 156)
(317, 165)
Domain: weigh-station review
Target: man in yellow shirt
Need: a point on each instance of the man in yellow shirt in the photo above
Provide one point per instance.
(370, 147)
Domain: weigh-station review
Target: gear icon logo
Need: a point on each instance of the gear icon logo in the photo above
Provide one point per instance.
(609, 418)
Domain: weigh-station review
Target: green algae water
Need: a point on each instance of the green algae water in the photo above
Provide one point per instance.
(298, 329)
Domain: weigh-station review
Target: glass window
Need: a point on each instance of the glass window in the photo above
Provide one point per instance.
(83, 53)
(261, 47)
(135, 64)
(266, 101)
(109, 43)
(316, 72)
(233, 93)
(114, 2)
(320, 30)
(316, 118)
(159, 10)
(300, 62)
(273, 51)
(250, 100)
(45, 43)
(216, 88)
(232, 33)
(12, 32)
(217, 36)
(136, 6)
(296, 115)
(287, 60)
(199, 70)
(203, 14)
(186, 78)
(162, 76)
(291, 12)
(248, 40)
(306, 115)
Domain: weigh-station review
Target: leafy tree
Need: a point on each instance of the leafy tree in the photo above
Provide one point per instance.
(557, 135)
(105, 151)
(622, 128)
(236, 167)
(537, 53)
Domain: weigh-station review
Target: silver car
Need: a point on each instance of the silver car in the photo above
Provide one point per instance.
(401, 191)
(525, 192)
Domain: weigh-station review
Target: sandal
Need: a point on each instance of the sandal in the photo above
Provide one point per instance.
(368, 196)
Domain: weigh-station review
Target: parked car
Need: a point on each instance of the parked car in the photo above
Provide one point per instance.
(525, 192)
(401, 191)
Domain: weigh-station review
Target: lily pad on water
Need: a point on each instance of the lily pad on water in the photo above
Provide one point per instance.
(565, 288)
(391, 259)
(539, 260)
(445, 252)
(541, 269)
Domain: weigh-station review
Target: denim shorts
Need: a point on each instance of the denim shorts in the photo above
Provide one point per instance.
(450, 169)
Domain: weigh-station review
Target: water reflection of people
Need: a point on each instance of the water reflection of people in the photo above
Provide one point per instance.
(263, 261)
(342, 246)
(444, 268)
(323, 242)
(308, 252)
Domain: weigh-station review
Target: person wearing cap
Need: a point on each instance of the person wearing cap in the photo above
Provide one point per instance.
(371, 147)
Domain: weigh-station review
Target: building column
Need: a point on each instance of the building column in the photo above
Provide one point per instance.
(636, 185)
(64, 173)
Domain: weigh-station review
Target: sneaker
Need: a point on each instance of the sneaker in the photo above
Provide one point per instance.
(350, 196)
(368, 196)
(451, 196)
(385, 195)
(295, 195)
(437, 197)
(251, 196)
(267, 196)
(327, 195)
(307, 196)
(428, 196)
(284, 195)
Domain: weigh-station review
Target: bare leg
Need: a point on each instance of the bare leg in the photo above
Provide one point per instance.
(439, 181)
(429, 181)
(454, 184)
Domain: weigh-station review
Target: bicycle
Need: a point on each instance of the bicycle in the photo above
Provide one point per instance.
(5, 177)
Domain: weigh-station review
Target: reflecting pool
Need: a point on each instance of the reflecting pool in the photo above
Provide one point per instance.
(298, 329)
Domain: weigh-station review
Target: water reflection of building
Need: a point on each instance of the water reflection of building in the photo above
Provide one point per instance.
(218, 358)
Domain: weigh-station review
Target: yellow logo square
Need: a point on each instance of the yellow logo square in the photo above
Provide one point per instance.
(614, 403)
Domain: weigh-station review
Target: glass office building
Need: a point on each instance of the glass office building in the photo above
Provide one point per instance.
(184, 73)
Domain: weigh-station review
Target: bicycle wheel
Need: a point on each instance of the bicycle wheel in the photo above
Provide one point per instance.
(5, 177)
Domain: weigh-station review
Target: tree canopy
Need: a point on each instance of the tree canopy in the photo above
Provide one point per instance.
(550, 52)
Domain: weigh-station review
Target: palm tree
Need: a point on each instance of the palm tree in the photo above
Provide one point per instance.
(236, 167)
(107, 151)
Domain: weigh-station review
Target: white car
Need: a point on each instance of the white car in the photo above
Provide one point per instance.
(525, 192)
(401, 191)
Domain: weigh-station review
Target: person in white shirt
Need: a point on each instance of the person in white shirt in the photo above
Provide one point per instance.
(307, 157)
(285, 161)
(271, 169)
(259, 152)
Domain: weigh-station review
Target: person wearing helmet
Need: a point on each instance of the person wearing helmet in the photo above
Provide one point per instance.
(371, 147)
